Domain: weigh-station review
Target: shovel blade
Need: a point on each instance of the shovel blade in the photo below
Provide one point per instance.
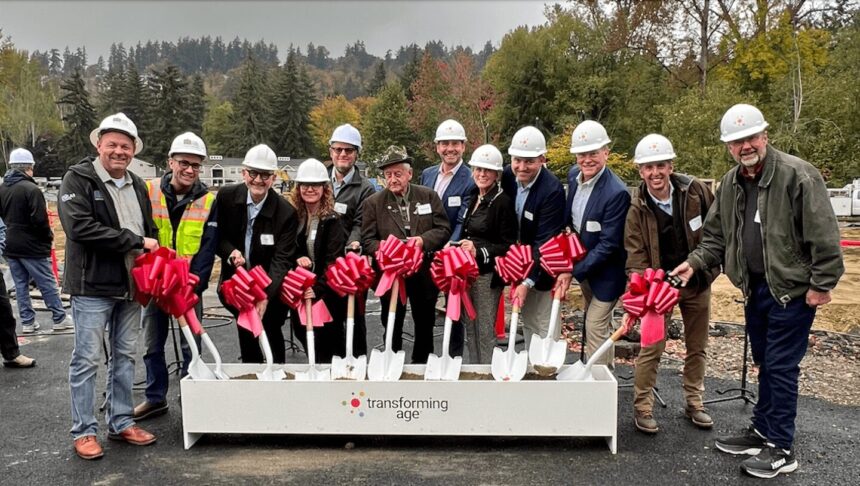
(509, 365)
(271, 375)
(385, 365)
(451, 368)
(349, 368)
(433, 370)
(574, 372)
(199, 371)
(314, 374)
(547, 352)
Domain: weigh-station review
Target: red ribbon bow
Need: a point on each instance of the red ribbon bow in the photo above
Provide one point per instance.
(243, 290)
(293, 288)
(560, 253)
(515, 265)
(166, 279)
(350, 274)
(650, 298)
(397, 260)
(453, 271)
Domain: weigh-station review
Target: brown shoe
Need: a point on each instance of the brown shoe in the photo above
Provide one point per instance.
(20, 362)
(699, 416)
(645, 422)
(148, 410)
(134, 435)
(87, 447)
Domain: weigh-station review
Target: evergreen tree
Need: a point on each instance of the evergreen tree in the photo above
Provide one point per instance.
(387, 123)
(55, 65)
(293, 100)
(378, 81)
(170, 112)
(79, 116)
(196, 103)
(410, 73)
(133, 99)
(250, 118)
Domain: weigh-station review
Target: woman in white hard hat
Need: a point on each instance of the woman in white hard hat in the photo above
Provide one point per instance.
(321, 239)
(489, 229)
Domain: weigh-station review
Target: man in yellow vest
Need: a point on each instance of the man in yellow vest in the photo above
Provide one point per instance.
(184, 212)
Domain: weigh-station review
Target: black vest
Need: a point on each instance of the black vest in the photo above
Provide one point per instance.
(671, 234)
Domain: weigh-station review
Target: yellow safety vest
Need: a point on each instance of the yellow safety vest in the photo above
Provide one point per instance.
(191, 226)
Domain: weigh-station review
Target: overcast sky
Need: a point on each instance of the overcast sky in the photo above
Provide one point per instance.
(382, 25)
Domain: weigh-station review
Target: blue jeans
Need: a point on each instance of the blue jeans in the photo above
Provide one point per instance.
(778, 337)
(39, 269)
(122, 317)
(156, 326)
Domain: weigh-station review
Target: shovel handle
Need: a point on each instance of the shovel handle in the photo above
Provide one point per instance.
(309, 315)
(350, 323)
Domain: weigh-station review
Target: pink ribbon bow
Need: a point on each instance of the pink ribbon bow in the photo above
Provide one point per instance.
(243, 290)
(650, 298)
(293, 288)
(167, 280)
(560, 253)
(397, 260)
(453, 271)
(515, 266)
(349, 275)
(146, 272)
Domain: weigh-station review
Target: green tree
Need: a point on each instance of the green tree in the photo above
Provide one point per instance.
(293, 100)
(328, 115)
(379, 80)
(170, 112)
(387, 123)
(217, 128)
(250, 119)
(79, 116)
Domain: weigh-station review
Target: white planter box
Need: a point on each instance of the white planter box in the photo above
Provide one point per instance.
(406, 407)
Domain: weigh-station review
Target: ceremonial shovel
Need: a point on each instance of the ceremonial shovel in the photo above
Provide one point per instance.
(219, 373)
(196, 368)
(446, 367)
(313, 373)
(387, 365)
(510, 365)
(547, 354)
(268, 374)
(350, 367)
(580, 372)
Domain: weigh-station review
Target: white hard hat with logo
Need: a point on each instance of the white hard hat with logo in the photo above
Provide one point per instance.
(587, 137)
(117, 123)
(653, 148)
(741, 121)
(187, 143)
(261, 157)
(450, 130)
(527, 142)
(311, 171)
(487, 157)
(346, 133)
(21, 156)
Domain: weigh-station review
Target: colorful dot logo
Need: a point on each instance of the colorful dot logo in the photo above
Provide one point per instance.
(354, 404)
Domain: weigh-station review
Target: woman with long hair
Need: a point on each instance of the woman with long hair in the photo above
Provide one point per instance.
(320, 240)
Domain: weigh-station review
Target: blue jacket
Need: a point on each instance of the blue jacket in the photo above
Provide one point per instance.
(461, 186)
(542, 218)
(605, 214)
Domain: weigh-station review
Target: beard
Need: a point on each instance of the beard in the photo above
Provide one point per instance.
(750, 161)
(343, 170)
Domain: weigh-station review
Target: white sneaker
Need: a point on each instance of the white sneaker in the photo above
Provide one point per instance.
(66, 323)
(30, 328)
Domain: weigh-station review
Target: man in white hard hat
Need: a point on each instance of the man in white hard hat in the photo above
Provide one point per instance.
(452, 181)
(28, 245)
(411, 212)
(185, 214)
(12, 357)
(773, 230)
(257, 226)
(107, 218)
(664, 223)
(350, 191)
(539, 202)
(596, 208)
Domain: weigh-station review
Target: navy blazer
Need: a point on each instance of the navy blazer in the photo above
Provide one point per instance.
(543, 217)
(603, 265)
(461, 185)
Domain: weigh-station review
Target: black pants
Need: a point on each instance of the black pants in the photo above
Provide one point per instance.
(273, 322)
(421, 293)
(8, 339)
(329, 339)
(359, 332)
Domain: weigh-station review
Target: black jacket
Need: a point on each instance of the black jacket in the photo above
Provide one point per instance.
(328, 245)
(96, 245)
(492, 228)
(277, 218)
(352, 195)
(22, 207)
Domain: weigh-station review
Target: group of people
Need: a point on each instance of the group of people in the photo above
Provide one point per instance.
(769, 228)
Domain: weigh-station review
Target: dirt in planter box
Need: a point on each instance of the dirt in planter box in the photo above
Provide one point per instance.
(252, 376)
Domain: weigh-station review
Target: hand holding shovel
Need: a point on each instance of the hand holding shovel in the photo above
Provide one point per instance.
(349, 275)
(314, 373)
(513, 267)
(582, 372)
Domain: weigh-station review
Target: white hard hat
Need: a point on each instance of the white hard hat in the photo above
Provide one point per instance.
(21, 156)
(487, 157)
(527, 142)
(588, 136)
(741, 121)
(117, 122)
(188, 143)
(450, 130)
(346, 133)
(653, 148)
(311, 171)
(261, 157)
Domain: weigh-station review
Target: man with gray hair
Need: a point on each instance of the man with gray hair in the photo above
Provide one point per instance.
(28, 246)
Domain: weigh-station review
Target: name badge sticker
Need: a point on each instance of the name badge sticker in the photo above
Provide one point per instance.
(592, 226)
(424, 209)
(314, 234)
(528, 215)
(454, 201)
(696, 223)
(267, 239)
(340, 208)
(98, 196)
(757, 217)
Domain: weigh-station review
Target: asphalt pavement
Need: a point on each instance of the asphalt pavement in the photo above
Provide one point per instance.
(37, 448)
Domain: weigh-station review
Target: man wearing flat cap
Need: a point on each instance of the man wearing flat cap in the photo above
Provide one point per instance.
(410, 212)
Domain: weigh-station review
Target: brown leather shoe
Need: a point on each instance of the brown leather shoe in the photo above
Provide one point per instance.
(147, 410)
(645, 422)
(87, 447)
(699, 417)
(134, 435)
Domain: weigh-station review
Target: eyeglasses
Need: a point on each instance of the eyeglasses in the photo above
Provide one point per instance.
(345, 150)
(742, 141)
(307, 186)
(185, 165)
(253, 174)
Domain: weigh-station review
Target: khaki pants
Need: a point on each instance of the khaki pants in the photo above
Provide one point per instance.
(534, 316)
(598, 324)
(695, 311)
